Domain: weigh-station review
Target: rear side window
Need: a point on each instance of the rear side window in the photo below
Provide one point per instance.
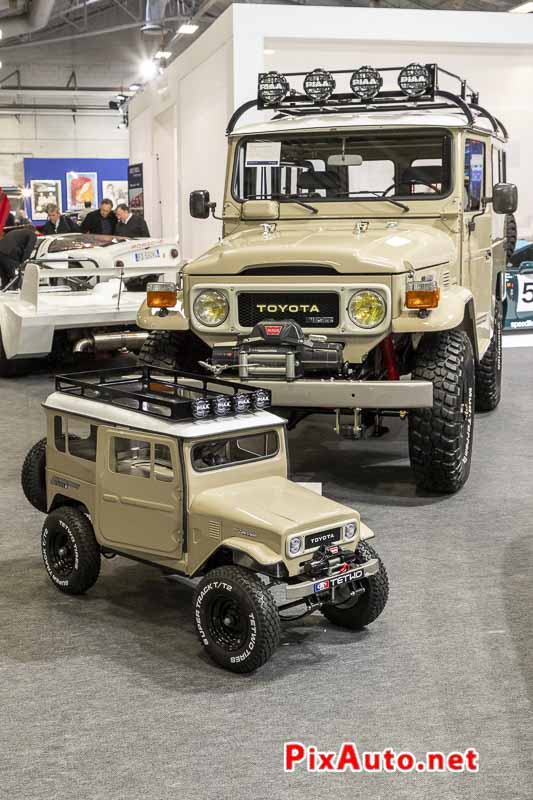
(217, 453)
(474, 176)
(76, 436)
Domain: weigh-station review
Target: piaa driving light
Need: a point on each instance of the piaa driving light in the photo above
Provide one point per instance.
(422, 295)
(161, 295)
(413, 80)
(349, 531)
(222, 406)
(200, 407)
(295, 546)
(211, 308)
(366, 83)
(241, 403)
(260, 399)
(319, 85)
(272, 87)
(367, 308)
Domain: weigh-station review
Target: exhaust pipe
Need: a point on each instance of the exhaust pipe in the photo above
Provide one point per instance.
(131, 340)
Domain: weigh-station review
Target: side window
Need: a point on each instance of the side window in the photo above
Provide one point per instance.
(76, 436)
(60, 434)
(496, 165)
(163, 469)
(474, 175)
(141, 459)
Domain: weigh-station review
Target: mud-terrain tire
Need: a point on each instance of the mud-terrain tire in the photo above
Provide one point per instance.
(358, 612)
(440, 438)
(33, 476)
(70, 551)
(174, 350)
(140, 282)
(511, 235)
(236, 619)
(489, 369)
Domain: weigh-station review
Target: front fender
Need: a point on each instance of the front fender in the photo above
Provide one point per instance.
(175, 320)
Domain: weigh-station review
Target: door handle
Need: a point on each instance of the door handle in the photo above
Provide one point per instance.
(110, 498)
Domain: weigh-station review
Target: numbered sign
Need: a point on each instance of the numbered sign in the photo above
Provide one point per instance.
(524, 301)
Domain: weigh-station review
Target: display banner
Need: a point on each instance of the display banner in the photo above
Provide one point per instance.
(136, 189)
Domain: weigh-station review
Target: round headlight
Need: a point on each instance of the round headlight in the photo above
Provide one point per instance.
(211, 308)
(413, 80)
(350, 530)
(272, 87)
(295, 545)
(319, 85)
(367, 308)
(366, 82)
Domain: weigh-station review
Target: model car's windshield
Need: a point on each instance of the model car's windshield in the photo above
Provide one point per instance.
(369, 165)
(82, 241)
(234, 450)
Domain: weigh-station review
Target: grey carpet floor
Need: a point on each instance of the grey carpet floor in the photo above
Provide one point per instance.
(108, 697)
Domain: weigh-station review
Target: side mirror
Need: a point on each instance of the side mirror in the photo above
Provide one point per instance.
(199, 204)
(505, 198)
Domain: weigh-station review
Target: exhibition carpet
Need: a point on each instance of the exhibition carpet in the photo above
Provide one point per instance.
(109, 697)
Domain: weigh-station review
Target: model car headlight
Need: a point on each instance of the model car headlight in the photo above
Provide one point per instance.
(260, 399)
(367, 308)
(366, 83)
(295, 545)
(349, 531)
(221, 405)
(319, 85)
(272, 87)
(414, 80)
(200, 407)
(211, 308)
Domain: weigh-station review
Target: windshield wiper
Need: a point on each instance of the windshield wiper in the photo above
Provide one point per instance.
(376, 194)
(288, 198)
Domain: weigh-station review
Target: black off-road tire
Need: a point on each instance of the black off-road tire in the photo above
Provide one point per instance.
(70, 551)
(236, 619)
(358, 612)
(33, 476)
(511, 235)
(174, 350)
(440, 438)
(489, 369)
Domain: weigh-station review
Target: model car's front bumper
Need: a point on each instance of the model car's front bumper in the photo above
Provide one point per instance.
(326, 585)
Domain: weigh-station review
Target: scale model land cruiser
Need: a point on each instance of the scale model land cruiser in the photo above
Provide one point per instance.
(191, 476)
(363, 242)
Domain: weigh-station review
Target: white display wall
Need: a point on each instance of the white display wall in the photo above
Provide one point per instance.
(219, 71)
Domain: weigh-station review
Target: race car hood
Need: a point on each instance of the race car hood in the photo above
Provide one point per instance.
(345, 248)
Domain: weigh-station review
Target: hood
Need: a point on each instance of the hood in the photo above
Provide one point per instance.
(389, 248)
(272, 505)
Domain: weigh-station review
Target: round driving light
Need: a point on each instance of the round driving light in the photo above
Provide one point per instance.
(211, 308)
(413, 80)
(241, 403)
(367, 309)
(319, 85)
(295, 545)
(260, 399)
(366, 83)
(200, 408)
(349, 531)
(221, 405)
(272, 87)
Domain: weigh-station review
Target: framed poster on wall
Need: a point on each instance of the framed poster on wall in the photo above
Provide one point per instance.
(81, 189)
(136, 188)
(116, 191)
(44, 192)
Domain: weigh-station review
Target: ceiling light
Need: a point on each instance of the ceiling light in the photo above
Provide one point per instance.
(163, 54)
(188, 28)
(148, 69)
(26, 192)
(523, 8)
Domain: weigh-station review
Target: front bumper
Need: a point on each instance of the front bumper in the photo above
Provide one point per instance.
(325, 586)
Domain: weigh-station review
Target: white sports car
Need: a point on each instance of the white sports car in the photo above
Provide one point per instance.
(79, 292)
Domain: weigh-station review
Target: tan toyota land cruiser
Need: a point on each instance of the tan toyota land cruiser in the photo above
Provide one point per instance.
(189, 474)
(364, 244)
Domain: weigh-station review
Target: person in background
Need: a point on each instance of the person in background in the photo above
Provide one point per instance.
(85, 210)
(10, 221)
(132, 225)
(102, 220)
(57, 222)
(15, 248)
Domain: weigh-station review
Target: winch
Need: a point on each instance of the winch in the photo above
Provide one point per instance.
(279, 349)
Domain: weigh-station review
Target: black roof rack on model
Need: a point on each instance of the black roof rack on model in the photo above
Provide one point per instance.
(418, 90)
(166, 393)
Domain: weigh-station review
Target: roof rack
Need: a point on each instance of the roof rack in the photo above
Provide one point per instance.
(298, 103)
(165, 393)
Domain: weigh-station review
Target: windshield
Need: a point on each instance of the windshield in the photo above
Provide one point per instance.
(234, 450)
(82, 241)
(369, 165)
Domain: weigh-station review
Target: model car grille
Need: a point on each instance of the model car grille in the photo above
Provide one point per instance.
(322, 537)
(308, 309)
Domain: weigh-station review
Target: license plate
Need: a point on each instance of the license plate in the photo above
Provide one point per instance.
(146, 254)
(339, 580)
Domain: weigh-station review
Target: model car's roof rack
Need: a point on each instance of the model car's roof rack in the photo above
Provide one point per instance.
(167, 393)
(418, 90)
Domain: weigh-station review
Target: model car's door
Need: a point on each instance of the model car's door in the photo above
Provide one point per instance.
(139, 492)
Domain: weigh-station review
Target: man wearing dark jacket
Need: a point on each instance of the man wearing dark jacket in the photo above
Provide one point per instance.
(132, 225)
(101, 221)
(15, 248)
(57, 223)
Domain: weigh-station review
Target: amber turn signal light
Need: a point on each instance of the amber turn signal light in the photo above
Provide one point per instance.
(422, 294)
(161, 295)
